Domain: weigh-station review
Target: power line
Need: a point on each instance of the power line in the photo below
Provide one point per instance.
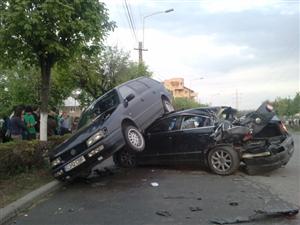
(130, 20)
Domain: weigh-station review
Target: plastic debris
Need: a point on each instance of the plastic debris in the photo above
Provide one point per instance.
(234, 203)
(195, 209)
(163, 213)
(154, 184)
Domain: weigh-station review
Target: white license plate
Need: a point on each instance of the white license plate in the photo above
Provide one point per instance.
(74, 163)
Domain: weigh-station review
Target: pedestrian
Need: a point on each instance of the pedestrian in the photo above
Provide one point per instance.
(17, 125)
(65, 124)
(30, 123)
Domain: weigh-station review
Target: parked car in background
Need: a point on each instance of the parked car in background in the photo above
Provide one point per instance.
(214, 137)
(116, 119)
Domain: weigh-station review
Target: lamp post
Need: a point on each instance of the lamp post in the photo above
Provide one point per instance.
(141, 43)
(152, 14)
(198, 78)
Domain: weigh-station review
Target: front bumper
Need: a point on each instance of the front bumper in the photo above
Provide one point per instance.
(279, 156)
(107, 146)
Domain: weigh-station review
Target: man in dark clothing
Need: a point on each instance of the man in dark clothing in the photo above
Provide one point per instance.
(17, 125)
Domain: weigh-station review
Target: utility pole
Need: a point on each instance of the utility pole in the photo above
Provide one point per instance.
(140, 49)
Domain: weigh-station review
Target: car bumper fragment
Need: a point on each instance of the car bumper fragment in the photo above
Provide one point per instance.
(278, 157)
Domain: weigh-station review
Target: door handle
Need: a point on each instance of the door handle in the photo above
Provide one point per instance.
(142, 99)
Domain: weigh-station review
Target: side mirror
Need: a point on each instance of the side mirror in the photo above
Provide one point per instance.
(128, 99)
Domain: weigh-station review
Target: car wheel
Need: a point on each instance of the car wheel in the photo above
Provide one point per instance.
(168, 107)
(223, 160)
(125, 158)
(134, 139)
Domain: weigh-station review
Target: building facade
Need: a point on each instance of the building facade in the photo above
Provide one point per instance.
(178, 90)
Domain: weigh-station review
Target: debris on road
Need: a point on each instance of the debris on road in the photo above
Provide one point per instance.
(195, 209)
(154, 184)
(259, 215)
(174, 197)
(233, 203)
(163, 213)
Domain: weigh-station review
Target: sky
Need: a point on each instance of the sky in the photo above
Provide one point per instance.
(232, 52)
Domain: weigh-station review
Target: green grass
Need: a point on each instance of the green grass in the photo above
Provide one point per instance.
(13, 188)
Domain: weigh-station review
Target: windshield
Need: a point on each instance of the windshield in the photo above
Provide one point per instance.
(101, 105)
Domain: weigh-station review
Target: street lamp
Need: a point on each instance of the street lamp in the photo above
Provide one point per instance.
(152, 14)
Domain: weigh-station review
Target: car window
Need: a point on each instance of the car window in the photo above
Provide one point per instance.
(168, 124)
(125, 91)
(138, 86)
(190, 122)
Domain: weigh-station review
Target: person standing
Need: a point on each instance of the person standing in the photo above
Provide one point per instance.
(65, 124)
(17, 125)
(30, 123)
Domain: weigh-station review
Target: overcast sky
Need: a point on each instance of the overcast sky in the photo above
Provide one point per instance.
(249, 47)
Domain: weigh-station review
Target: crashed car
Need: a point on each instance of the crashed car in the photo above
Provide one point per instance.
(116, 119)
(214, 137)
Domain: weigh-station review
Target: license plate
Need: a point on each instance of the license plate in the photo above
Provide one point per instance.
(74, 163)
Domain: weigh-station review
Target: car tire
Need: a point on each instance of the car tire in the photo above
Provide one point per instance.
(134, 138)
(168, 107)
(125, 158)
(223, 160)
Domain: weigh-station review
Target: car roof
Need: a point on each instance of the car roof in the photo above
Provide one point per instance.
(149, 81)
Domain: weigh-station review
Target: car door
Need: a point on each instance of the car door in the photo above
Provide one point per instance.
(133, 108)
(193, 138)
(143, 116)
(159, 141)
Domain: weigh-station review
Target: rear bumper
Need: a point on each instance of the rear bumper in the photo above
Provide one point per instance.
(279, 156)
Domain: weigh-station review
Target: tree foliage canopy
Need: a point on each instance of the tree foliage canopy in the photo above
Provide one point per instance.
(52, 29)
(96, 75)
(287, 106)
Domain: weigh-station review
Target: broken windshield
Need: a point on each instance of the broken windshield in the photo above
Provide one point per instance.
(108, 101)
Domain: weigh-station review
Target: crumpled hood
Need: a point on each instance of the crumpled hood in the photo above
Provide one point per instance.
(258, 119)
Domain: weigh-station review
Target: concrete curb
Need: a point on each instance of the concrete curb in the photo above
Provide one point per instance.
(11, 210)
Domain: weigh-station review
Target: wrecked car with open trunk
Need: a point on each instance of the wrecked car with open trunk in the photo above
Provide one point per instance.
(214, 137)
(116, 119)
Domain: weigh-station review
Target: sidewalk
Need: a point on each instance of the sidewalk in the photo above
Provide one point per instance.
(14, 208)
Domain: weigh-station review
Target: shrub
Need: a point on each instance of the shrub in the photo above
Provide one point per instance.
(20, 156)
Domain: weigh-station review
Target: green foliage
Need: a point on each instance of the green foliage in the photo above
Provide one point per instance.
(287, 106)
(96, 75)
(21, 85)
(21, 156)
(185, 103)
(55, 30)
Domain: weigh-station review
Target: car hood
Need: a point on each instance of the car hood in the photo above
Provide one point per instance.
(78, 138)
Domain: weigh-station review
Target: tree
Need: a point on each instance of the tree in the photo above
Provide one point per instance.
(96, 75)
(185, 103)
(45, 32)
(287, 106)
(21, 85)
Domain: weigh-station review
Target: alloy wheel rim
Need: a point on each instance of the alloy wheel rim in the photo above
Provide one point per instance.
(135, 138)
(221, 160)
(127, 158)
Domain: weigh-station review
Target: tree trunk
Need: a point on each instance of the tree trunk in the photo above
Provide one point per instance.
(45, 73)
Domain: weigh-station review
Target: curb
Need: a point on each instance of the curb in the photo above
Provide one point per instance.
(12, 210)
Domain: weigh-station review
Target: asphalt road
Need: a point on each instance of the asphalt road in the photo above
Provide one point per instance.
(183, 196)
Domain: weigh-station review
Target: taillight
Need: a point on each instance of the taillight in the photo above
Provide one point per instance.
(283, 128)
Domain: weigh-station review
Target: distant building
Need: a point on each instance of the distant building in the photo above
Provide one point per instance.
(178, 90)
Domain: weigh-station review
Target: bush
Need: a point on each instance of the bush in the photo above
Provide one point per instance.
(185, 103)
(21, 156)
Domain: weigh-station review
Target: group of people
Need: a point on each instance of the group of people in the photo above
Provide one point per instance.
(24, 124)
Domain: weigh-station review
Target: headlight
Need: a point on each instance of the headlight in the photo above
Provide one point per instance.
(55, 162)
(96, 137)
